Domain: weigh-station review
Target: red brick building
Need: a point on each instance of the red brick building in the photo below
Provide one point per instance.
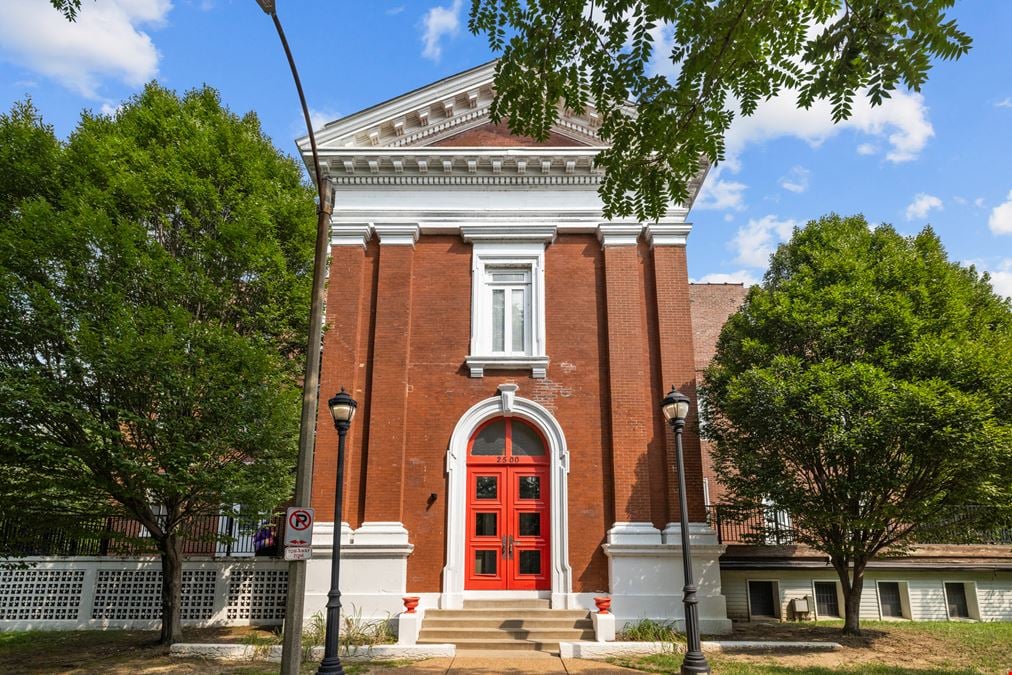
(508, 348)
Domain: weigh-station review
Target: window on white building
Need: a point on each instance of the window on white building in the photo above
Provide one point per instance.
(508, 308)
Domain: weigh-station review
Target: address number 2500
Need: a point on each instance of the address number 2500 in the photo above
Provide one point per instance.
(507, 460)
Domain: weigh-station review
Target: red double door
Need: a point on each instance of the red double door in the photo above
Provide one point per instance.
(507, 508)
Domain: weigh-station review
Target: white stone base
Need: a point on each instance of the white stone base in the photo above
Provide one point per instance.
(604, 627)
(374, 569)
(646, 577)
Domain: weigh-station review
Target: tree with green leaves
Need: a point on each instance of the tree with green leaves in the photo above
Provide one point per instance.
(155, 274)
(728, 55)
(865, 388)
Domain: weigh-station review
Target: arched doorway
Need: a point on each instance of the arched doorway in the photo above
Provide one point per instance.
(461, 523)
(508, 516)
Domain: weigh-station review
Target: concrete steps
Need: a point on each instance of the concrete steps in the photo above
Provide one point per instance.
(506, 625)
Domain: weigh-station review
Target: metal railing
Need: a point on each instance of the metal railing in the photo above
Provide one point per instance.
(217, 536)
(969, 524)
(735, 525)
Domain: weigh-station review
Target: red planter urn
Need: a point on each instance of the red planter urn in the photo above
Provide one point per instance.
(603, 604)
(410, 602)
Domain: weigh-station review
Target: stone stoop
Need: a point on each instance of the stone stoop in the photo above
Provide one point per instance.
(515, 625)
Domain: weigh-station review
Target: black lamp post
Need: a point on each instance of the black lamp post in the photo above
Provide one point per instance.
(342, 408)
(675, 407)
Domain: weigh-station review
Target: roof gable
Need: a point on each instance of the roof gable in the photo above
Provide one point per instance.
(453, 112)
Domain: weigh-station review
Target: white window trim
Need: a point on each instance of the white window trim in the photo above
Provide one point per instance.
(904, 590)
(529, 255)
(972, 605)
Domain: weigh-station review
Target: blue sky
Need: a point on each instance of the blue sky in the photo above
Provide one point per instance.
(943, 156)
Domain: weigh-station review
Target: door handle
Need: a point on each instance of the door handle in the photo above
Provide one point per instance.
(504, 546)
(511, 547)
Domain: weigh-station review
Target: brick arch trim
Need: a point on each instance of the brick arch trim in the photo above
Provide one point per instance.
(506, 404)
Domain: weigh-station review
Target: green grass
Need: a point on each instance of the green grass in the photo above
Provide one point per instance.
(886, 647)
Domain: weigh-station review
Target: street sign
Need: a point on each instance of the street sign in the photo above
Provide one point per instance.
(299, 528)
(298, 552)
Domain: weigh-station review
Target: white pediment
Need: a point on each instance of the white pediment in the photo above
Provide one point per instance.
(450, 113)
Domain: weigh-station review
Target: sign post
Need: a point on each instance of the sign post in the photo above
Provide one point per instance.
(299, 533)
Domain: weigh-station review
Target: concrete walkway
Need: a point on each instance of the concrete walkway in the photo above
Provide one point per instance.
(505, 662)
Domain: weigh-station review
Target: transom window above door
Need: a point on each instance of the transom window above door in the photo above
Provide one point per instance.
(508, 308)
(507, 440)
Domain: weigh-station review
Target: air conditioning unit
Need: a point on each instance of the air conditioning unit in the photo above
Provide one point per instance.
(801, 607)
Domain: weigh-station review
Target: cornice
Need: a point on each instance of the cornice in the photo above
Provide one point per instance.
(397, 234)
(508, 232)
(612, 234)
(668, 234)
(350, 234)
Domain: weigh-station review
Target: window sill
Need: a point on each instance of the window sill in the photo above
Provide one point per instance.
(538, 365)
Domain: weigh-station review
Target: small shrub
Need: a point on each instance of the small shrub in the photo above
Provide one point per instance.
(648, 630)
(261, 643)
(356, 632)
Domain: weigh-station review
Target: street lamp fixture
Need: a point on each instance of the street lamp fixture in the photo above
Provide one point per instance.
(342, 409)
(675, 407)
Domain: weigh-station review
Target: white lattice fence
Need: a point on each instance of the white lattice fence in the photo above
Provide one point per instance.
(126, 593)
(257, 595)
(40, 595)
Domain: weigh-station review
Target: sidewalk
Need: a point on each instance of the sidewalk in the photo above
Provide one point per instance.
(505, 662)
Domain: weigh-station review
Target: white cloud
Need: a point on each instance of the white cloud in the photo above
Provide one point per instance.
(440, 21)
(1001, 278)
(738, 277)
(720, 195)
(1000, 221)
(1004, 103)
(320, 117)
(960, 200)
(755, 242)
(979, 202)
(394, 11)
(104, 42)
(923, 204)
(901, 121)
(796, 179)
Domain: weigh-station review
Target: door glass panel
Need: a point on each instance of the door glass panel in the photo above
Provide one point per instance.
(518, 321)
(530, 524)
(530, 487)
(498, 320)
(526, 441)
(484, 562)
(485, 524)
(530, 562)
(486, 487)
(491, 440)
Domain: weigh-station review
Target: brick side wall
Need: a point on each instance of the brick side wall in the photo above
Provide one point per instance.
(712, 305)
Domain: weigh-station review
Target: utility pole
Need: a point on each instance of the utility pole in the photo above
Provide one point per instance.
(291, 646)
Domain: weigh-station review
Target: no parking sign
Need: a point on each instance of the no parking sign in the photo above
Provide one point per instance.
(298, 532)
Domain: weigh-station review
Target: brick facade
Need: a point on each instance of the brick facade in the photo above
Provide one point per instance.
(398, 328)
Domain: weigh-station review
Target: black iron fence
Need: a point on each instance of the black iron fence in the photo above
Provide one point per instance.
(213, 535)
(770, 526)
